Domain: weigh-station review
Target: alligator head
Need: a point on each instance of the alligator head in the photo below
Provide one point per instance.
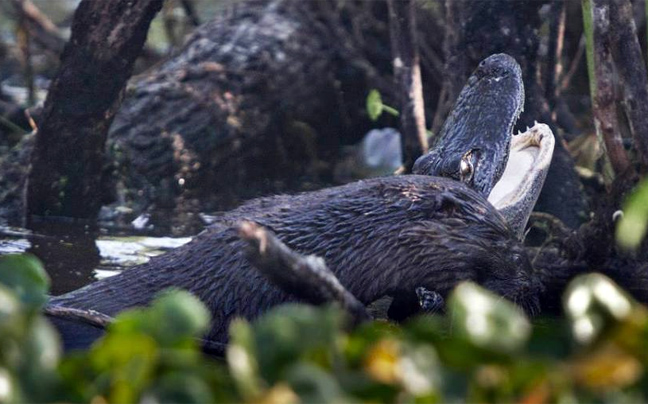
(473, 144)
(476, 144)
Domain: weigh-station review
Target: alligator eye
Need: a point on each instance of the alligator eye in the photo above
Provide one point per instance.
(466, 167)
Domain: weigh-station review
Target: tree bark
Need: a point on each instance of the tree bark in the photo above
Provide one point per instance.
(67, 158)
(602, 86)
(407, 79)
(261, 100)
(456, 69)
(626, 52)
(23, 38)
(258, 101)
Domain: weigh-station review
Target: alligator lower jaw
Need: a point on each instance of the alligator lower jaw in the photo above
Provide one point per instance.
(516, 193)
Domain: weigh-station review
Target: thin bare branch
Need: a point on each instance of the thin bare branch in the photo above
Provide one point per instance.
(306, 277)
(407, 77)
(90, 317)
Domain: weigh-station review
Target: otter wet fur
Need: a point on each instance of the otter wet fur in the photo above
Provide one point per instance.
(380, 237)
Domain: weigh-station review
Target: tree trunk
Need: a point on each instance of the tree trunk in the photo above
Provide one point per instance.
(602, 85)
(632, 69)
(67, 159)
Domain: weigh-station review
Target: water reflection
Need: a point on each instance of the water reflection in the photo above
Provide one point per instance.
(74, 256)
(68, 251)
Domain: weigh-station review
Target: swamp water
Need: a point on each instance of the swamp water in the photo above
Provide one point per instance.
(74, 256)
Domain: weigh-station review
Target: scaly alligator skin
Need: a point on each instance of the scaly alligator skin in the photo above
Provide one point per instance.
(480, 126)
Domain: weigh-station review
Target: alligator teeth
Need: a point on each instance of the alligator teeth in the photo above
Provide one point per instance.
(535, 123)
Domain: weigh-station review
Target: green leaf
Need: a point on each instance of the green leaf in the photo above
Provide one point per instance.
(126, 364)
(296, 332)
(364, 337)
(178, 387)
(25, 275)
(593, 304)
(12, 320)
(241, 352)
(174, 317)
(374, 105)
(10, 392)
(39, 358)
(178, 315)
(487, 320)
(420, 370)
(631, 229)
(314, 385)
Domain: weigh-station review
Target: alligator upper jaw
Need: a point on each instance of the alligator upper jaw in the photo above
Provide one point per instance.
(517, 191)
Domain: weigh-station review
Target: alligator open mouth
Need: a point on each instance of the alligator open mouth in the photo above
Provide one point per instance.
(517, 190)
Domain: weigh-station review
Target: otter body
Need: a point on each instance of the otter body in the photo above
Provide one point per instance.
(380, 237)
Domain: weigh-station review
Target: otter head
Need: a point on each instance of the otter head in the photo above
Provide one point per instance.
(509, 274)
(473, 144)
(460, 237)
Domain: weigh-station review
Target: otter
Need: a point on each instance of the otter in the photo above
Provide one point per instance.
(380, 237)
(384, 236)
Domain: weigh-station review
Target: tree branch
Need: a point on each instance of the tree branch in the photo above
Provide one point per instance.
(90, 317)
(407, 77)
(306, 277)
(190, 12)
(553, 67)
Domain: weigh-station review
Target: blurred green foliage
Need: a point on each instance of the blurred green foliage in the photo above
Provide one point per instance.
(632, 227)
(484, 350)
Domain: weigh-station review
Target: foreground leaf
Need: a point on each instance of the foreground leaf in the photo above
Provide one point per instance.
(631, 229)
(25, 276)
